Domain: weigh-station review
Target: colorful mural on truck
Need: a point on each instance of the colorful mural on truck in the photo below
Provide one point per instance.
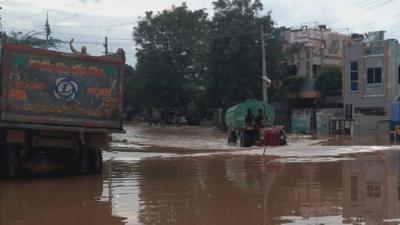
(59, 88)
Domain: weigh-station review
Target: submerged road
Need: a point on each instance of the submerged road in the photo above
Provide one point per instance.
(302, 183)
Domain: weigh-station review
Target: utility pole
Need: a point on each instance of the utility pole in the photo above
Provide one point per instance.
(48, 30)
(105, 45)
(1, 24)
(264, 67)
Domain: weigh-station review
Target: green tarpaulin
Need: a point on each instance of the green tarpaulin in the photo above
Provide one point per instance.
(234, 116)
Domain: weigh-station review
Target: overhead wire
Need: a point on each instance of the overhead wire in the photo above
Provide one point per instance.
(24, 17)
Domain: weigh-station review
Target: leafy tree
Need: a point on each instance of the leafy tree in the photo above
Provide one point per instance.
(282, 87)
(30, 38)
(235, 52)
(329, 81)
(171, 56)
(129, 84)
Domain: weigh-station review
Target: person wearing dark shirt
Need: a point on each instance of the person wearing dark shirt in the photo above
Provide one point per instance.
(247, 137)
(249, 119)
(260, 119)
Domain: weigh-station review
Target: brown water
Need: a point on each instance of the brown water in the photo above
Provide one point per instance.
(213, 190)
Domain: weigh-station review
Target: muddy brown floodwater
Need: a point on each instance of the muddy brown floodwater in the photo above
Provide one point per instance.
(151, 189)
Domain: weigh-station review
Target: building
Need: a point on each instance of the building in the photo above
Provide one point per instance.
(311, 48)
(371, 81)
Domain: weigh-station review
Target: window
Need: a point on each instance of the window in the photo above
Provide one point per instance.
(370, 111)
(374, 189)
(354, 76)
(292, 70)
(374, 75)
(315, 70)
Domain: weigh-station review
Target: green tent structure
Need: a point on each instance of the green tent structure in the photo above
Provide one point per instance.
(234, 116)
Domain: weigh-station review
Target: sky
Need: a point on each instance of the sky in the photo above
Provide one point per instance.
(89, 21)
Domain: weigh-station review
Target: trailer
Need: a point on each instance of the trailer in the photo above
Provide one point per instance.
(57, 109)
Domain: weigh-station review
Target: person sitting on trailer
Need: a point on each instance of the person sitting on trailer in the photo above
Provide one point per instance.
(260, 119)
(247, 137)
(73, 50)
(249, 119)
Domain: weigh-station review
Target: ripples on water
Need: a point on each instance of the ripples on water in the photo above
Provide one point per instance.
(213, 190)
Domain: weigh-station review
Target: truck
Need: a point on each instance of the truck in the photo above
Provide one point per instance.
(57, 109)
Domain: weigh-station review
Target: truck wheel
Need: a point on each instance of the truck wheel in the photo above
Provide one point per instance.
(3, 162)
(84, 161)
(12, 159)
(96, 161)
(241, 140)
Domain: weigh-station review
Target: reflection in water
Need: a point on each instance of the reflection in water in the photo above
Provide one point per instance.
(214, 190)
(372, 187)
(55, 202)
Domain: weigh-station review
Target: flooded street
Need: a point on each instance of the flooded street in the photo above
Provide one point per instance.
(158, 188)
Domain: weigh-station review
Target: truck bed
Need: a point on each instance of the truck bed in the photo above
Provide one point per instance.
(54, 89)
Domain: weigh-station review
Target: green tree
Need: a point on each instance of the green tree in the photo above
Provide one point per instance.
(129, 87)
(235, 52)
(31, 39)
(329, 81)
(171, 53)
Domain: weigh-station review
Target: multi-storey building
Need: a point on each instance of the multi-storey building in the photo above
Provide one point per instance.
(311, 48)
(371, 81)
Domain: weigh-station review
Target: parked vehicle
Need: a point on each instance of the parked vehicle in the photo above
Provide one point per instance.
(57, 109)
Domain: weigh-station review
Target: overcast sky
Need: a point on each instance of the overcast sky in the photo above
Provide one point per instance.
(89, 21)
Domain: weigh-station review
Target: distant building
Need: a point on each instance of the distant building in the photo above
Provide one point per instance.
(371, 81)
(313, 47)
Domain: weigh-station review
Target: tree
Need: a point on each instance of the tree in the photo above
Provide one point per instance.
(329, 81)
(129, 87)
(171, 56)
(30, 38)
(235, 52)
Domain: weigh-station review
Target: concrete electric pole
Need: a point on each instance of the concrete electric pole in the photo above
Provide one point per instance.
(105, 45)
(265, 78)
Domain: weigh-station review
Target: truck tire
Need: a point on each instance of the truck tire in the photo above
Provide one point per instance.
(96, 161)
(3, 162)
(12, 161)
(84, 162)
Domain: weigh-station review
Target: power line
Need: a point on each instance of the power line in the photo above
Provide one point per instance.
(332, 14)
(365, 10)
(67, 18)
(24, 17)
(93, 27)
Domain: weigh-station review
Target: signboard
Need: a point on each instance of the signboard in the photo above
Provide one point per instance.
(301, 120)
